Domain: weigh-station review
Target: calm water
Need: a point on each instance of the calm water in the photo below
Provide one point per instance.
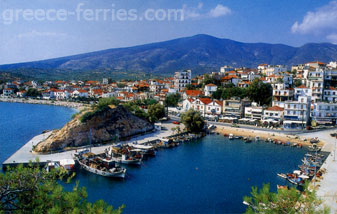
(207, 176)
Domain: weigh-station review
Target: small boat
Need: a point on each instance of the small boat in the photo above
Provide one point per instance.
(100, 166)
(282, 175)
(247, 140)
(231, 136)
(52, 165)
(294, 144)
(225, 135)
(299, 145)
(237, 137)
(314, 148)
(286, 144)
(257, 138)
(68, 164)
(314, 140)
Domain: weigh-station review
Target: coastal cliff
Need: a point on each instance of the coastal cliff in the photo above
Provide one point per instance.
(105, 125)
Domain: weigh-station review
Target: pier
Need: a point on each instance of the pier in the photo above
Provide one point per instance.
(24, 155)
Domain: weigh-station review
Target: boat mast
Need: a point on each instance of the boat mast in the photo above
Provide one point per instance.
(90, 138)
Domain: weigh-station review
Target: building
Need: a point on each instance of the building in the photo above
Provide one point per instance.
(209, 89)
(330, 95)
(324, 113)
(8, 92)
(297, 113)
(254, 112)
(181, 79)
(274, 113)
(281, 94)
(235, 107)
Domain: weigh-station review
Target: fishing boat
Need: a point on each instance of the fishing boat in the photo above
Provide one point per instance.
(133, 157)
(237, 137)
(145, 150)
(282, 175)
(257, 138)
(100, 166)
(314, 148)
(294, 145)
(230, 136)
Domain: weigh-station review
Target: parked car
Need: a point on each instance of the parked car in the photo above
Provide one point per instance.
(176, 122)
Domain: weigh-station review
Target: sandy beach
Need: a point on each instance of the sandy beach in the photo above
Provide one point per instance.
(265, 135)
(77, 106)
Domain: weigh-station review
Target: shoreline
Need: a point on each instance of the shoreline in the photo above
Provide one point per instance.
(265, 135)
(74, 105)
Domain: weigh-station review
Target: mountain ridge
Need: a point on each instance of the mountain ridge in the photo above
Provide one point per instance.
(201, 53)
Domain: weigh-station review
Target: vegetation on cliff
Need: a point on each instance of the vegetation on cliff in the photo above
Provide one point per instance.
(34, 190)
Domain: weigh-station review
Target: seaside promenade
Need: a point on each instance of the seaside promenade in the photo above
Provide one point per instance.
(327, 186)
(25, 154)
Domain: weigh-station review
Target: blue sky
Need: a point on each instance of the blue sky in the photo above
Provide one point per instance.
(291, 22)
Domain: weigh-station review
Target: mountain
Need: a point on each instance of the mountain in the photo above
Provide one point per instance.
(199, 53)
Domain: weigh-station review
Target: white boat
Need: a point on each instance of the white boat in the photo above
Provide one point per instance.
(52, 165)
(231, 136)
(282, 175)
(257, 138)
(67, 164)
(94, 164)
(126, 158)
(145, 150)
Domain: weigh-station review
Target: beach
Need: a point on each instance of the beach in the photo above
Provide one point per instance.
(265, 135)
(75, 105)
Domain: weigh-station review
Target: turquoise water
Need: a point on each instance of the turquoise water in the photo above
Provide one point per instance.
(210, 175)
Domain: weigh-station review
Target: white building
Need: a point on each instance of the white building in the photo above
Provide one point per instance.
(297, 113)
(254, 112)
(181, 79)
(330, 95)
(324, 113)
(209, 89)
(274, 113)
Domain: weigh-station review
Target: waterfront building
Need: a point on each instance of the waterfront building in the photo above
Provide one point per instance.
(181, 79)
(302, 90)
(254, 112)
(324, 113)
(8, 92)
(297, 113)
(274, 113)
(330, 95)
(234, 107)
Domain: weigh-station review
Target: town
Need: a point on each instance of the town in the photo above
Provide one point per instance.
(274, 96)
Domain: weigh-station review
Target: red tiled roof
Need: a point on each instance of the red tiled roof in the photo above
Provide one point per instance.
(193, 93)
(205, 100)
(275, 108)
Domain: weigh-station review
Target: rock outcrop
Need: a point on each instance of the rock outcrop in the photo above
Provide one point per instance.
(105, 126)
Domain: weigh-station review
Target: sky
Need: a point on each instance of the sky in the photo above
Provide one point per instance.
(43, 29)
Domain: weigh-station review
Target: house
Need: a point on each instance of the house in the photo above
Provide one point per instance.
(192, 94)
(21, 93)
(209, 89)
(80, 93)
(181, 79)
(8, 92)
(230, 79)
(330, 95)
(214, 108)
(302, 90)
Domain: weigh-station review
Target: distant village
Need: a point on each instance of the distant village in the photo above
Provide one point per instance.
(303, 96)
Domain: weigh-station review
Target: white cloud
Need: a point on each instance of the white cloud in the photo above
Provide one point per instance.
(35, 34)
(323, 22)
(332, 38)
(219, 10)
(196, 12)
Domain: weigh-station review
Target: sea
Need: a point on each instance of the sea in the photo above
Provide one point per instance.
(209, 175)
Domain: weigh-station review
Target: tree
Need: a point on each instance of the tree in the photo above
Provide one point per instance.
(297, 82)
(260, 92)
(172, 100)
(104, 102)
(32, 92)
(34, 190)
(283, 201)
(156, 112)
(193, 121)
